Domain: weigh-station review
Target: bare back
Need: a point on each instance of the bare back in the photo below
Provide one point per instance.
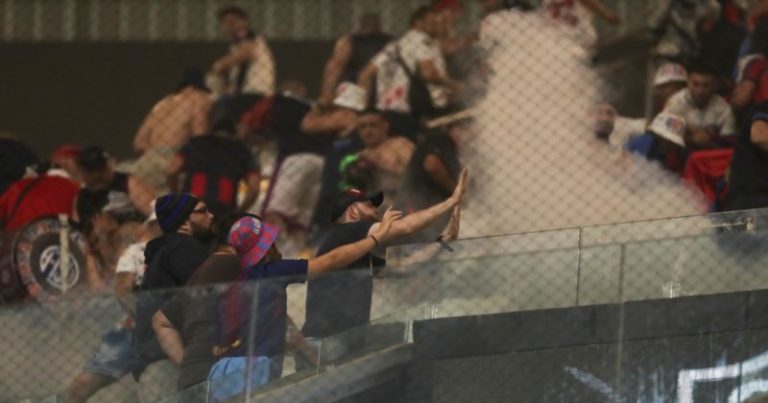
(175, 119)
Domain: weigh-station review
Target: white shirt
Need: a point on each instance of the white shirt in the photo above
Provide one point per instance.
(625, 129)
(715, 116)
(392, 82)
(132, 261)
(260, 77)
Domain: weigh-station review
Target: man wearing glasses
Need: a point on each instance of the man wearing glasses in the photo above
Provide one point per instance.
(171, 260)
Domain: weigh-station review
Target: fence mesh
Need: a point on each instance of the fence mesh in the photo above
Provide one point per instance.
(401, 200)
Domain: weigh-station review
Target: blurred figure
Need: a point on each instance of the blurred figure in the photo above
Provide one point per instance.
(748, 183)
(296, 178)
(338, 303)
(676, 24)
(187, 325)
(614, 129)
(447, 15)
(45, 195)
(102, 186)
(617, 130)
(752, 80)
(108, 209)
(383, 156)
(340, 120)
(351, 54)
(213, 165)
(670, 79)
(708, 117)
(431, 175)
(411, 77)
(261, 263)
(65, 159)
(249, 67)
(171, 260)
(171, 123)
(117, 355)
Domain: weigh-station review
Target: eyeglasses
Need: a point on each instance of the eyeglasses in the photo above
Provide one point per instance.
(201, 210)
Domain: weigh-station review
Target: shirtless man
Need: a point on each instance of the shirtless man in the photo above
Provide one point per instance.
(388, 155)
(169, 125)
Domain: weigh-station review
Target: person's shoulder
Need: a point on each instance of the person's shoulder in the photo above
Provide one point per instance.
(397, 141)
(184, 242)
(720, 103)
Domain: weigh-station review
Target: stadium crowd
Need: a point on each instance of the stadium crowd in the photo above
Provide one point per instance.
(181, 216)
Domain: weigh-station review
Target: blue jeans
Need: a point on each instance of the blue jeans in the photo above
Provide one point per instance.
(115, 356)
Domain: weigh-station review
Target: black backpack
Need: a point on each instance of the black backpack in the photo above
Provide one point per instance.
(419, 98)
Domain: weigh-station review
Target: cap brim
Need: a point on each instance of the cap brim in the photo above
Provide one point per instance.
(376, 198)
(670, 137)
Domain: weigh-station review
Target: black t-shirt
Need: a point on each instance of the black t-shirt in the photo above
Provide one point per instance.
(193, 314)
(171, 261)
(748, 186)
(284, 127)
(214, 166)
(342, 300)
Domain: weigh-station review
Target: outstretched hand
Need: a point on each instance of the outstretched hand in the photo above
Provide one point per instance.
(461, 186)
(382, 231)
(451, 232)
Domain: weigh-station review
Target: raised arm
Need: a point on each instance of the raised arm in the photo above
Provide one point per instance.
(343, 256)
(450, 233)
(336, 121)
(334, 67)
(419, 220)
(253, 182)
(241, 54)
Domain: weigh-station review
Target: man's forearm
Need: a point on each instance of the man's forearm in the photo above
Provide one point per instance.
(331, 77)
(340, 257)
(419, 220)
(168, 338)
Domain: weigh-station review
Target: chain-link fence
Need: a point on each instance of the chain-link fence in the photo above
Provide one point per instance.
(196, 200)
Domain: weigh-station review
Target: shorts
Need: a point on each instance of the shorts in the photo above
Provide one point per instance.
(115, 356)
(227, 377)
(295, 189)
(152, 167)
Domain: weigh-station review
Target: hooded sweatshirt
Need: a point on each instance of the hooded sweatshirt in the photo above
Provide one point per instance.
(171, 261)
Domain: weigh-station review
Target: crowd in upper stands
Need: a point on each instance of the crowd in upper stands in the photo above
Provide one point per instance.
(363, 143)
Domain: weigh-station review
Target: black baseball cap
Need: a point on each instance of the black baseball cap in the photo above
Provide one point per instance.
(351, 196)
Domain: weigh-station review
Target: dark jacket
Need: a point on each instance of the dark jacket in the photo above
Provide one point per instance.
(171, 261)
